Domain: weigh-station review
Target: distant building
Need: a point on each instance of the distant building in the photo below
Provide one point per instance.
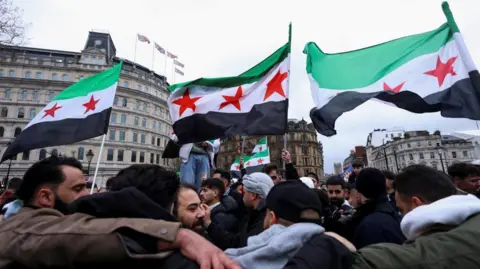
(419, 147)
(337, 167)
(357, 154)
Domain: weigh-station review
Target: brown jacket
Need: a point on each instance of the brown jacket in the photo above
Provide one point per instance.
(46, 238)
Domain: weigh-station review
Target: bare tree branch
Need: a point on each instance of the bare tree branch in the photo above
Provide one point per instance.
(12, 27)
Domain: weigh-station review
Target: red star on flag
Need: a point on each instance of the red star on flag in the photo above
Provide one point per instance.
(237, 167)
(442, 70)
(275, 85)
(51, 111)
(396, 89)
(90, 105)
(260, 161)
(186, 102)
(248, 164)
(233, 100)
(260, 148)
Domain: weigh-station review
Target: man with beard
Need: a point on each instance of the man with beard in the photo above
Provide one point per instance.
(187, 209)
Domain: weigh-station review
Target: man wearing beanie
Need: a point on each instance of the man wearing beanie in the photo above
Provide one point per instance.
(293, 217)
(375, 221)
(256, 186)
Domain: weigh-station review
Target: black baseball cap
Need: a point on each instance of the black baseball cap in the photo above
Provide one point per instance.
(289, 198)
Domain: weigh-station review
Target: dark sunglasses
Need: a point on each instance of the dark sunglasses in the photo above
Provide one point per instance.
(336, 191)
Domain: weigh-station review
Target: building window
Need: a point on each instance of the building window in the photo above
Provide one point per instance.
(153, 140)
(24, 95)
(154, 125)
(454, 155)
(124, 102)
(51, 95)
(43, 154)
(142, 157)
(120, 155)
(144, 123)
(113, 118)
(64, 77)
(152, 158)
(33, 113)
(2, 131)
(18, 130)
(80, 77)
(429, 143)
(434, 166)
(21, 113)
(408, 145)
(1, 73)
(135, 138)
(125, 84)
(410, 156)
(137, 105)
(115, 100)
(145, 107)
(7, 93)
(465, 154)
(28, 74)
(11, 73)
(134, 157)
(158, 141)
(110, 155)
(81, 153)
(142, 139)
(157, 161)
(432, 155)
(135, 121)
(26, 156)
(4, 112)
(123, 118)
(112, 135)
(35, 95)
(54, 76)
(122, 135)
(38, 75)
(421, 156)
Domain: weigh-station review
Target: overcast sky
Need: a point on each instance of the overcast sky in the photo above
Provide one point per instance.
(225, 37)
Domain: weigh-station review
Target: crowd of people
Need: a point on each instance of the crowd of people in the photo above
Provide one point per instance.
(147, 217)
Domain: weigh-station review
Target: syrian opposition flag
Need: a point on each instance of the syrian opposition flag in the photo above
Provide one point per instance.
(253, 103)
(423, 73)
(252, 163)
(80, 112)
(261, 145)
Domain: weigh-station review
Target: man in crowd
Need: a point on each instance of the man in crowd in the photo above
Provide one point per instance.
(338, 207)
(271, 170)
(187, 209)
(293, 217)
(232, 200)
(256, 187)
(466, 177)
(34, 235)
(441, 227)
(315, 179)
(357, 166)
(390, 183)
(211, 194)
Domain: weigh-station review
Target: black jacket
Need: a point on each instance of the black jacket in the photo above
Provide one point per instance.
(223, 216)
(352, 177)
(239, 211)
(321, 251)
(250, 225)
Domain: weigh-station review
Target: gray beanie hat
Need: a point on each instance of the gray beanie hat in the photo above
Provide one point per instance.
(259, 183)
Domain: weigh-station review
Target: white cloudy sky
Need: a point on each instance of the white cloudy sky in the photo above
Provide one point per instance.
(226, 37)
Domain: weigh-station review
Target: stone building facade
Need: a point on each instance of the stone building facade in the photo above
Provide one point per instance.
(419, 147)
(139, 125)
(306, 151)
(357, 154)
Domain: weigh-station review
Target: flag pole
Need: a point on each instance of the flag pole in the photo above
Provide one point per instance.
(289, 64)
(173, 72)
(98, 163)
(153, 56)
(135, 53)
(165, 66)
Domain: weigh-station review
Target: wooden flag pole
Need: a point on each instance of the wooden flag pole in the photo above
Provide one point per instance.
(98, 163)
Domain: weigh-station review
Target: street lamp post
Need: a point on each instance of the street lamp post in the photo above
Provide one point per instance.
(396, 161)
(385, 153)
(439, 151)
(89, 159)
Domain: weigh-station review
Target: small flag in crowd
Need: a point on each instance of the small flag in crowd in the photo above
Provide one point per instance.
(253, 103)
(80, 112)
(178, 71)
(177, 63)
(143, 38)
(160, 49)
(252, 163)
(171, 55)
(422, 73)
(261, 145)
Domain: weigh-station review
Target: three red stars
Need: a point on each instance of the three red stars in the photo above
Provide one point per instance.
(275, 85)
(186, 102)
(233, 100)
(90, 105)
(51, 111)
(396, 89)
(442, 70)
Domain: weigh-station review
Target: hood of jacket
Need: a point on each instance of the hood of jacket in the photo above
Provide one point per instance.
(452, 210)
(275, 246)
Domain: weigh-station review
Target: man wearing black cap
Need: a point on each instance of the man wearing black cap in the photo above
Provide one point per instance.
(293, 217)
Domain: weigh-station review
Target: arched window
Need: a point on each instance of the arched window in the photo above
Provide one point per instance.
(54, 76)
(145, 107)
(81, 152)
(124, 102)
(21, 113)
(33, 113)
(35, 95)
(154, 125)
(18, 130)
(28, 74)
(2, 131)
(26, 155)
(137, 106)
(43, 154)
(25, 95)
(38, 75)
(144, 122)
(115, 100)
(64, 77)
(4, 112)
(51, 95)
(1, 73)
(7, 93)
